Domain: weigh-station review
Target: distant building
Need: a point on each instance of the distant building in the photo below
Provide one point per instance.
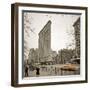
(53, 57)
(37, 55)
(76, 26)
(45, 43)
(33, 56)
(53, 53)
(65, 55)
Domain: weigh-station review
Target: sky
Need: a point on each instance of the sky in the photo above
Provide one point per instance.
(62, 29)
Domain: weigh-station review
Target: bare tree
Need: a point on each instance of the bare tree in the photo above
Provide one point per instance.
(71, 35)
(27, 29)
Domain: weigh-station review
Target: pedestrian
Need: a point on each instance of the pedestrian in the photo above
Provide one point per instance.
(51, 70)
(26, 71)
(55, 70)
(37, 71)
(58, 70)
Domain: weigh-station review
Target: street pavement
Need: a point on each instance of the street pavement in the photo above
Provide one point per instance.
(50, 70)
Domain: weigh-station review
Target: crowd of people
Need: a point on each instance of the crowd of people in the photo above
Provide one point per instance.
(39, 71)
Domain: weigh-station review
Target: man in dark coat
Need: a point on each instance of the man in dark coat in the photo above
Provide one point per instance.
(37, 71)
(26, 71)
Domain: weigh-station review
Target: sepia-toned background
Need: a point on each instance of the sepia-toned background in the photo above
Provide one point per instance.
(51, 43)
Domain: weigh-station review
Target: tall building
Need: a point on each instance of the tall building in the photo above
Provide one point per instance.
(45, 43)
(76, 26)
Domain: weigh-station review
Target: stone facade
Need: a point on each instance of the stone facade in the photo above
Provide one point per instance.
(76, 26)
(45, 43)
